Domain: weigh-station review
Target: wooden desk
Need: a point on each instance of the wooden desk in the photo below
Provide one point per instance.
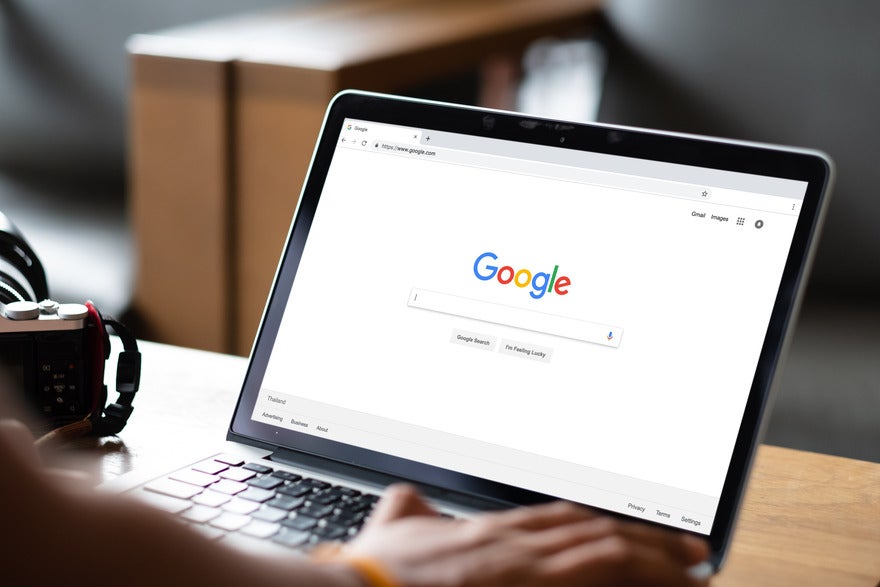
(808, 519)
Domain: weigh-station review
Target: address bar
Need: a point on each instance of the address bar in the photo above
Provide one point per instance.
(583, 175)
(484, 311)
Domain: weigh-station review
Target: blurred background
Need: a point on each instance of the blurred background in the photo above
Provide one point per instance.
(796, 72)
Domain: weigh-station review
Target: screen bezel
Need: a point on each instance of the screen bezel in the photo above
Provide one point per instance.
(808, 166)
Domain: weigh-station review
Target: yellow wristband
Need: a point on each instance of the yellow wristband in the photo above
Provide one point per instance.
(370, 570)
(373, 572)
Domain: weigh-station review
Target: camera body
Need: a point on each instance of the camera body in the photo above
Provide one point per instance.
(53, 355)
(44, 349)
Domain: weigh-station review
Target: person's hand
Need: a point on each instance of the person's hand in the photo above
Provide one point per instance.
(555, 544)
(18, 442)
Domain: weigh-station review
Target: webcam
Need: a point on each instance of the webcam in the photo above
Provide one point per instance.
(614, 137)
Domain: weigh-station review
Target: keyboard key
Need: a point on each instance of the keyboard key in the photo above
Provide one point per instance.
(230, 460)
(346, 518)
(267, 482)
(360, 503)
(172, 505)
(329, 532)
(194, 477)
(353, 506)
(285, 502)
(228, 486)
(314, 483)
(236, 474)
(291, 538)
(257, 468)
(287, 476)
(209, 532)
(270, 514)
(315, 510)
(294, 490)
(298, 522)
(211, 467)
(200, 514)
(257, 494)
(346, 491)
(323, 498)
(261, 529)
(211, 498)
(173, 488)
(240, 506)
(230, 522)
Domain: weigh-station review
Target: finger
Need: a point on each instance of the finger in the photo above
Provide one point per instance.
(19, 439)
(614, 560)
(696, 549)
(68, 476)
(685, 549)
(400, 501)
(680, 546)
(539, 517)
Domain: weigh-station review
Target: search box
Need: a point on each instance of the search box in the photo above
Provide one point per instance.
(604, 334)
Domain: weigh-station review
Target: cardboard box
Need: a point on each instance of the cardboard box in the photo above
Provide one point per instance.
(224, 117)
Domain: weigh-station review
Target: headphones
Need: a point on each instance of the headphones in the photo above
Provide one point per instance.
(23, 280)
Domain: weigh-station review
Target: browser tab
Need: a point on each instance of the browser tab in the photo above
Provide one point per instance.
(373, 133)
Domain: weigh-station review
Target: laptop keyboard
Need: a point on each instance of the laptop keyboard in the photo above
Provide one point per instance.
(224, 496)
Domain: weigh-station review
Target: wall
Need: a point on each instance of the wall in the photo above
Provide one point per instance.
(799, 72)
(64, 77)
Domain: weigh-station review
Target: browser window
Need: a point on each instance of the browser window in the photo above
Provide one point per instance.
(582, 325)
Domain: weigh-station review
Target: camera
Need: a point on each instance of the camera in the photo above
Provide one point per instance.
(43, 348)
(614, 137)
(54, 354)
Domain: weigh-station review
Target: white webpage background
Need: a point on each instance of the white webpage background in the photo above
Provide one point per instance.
(694, 298)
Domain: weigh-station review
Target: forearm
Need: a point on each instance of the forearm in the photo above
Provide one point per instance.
(162, 551)
(57, 536)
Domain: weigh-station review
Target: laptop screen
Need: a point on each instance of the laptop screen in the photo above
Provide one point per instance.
(579, 324)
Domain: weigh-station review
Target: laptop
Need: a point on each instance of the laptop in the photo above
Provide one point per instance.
(504, 309)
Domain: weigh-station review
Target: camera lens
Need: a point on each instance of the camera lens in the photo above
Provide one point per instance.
(11, 285)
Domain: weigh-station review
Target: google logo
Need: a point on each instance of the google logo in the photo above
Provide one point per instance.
(541, 282)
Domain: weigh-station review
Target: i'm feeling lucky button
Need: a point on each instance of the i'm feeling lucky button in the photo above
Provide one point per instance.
(525, 350)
